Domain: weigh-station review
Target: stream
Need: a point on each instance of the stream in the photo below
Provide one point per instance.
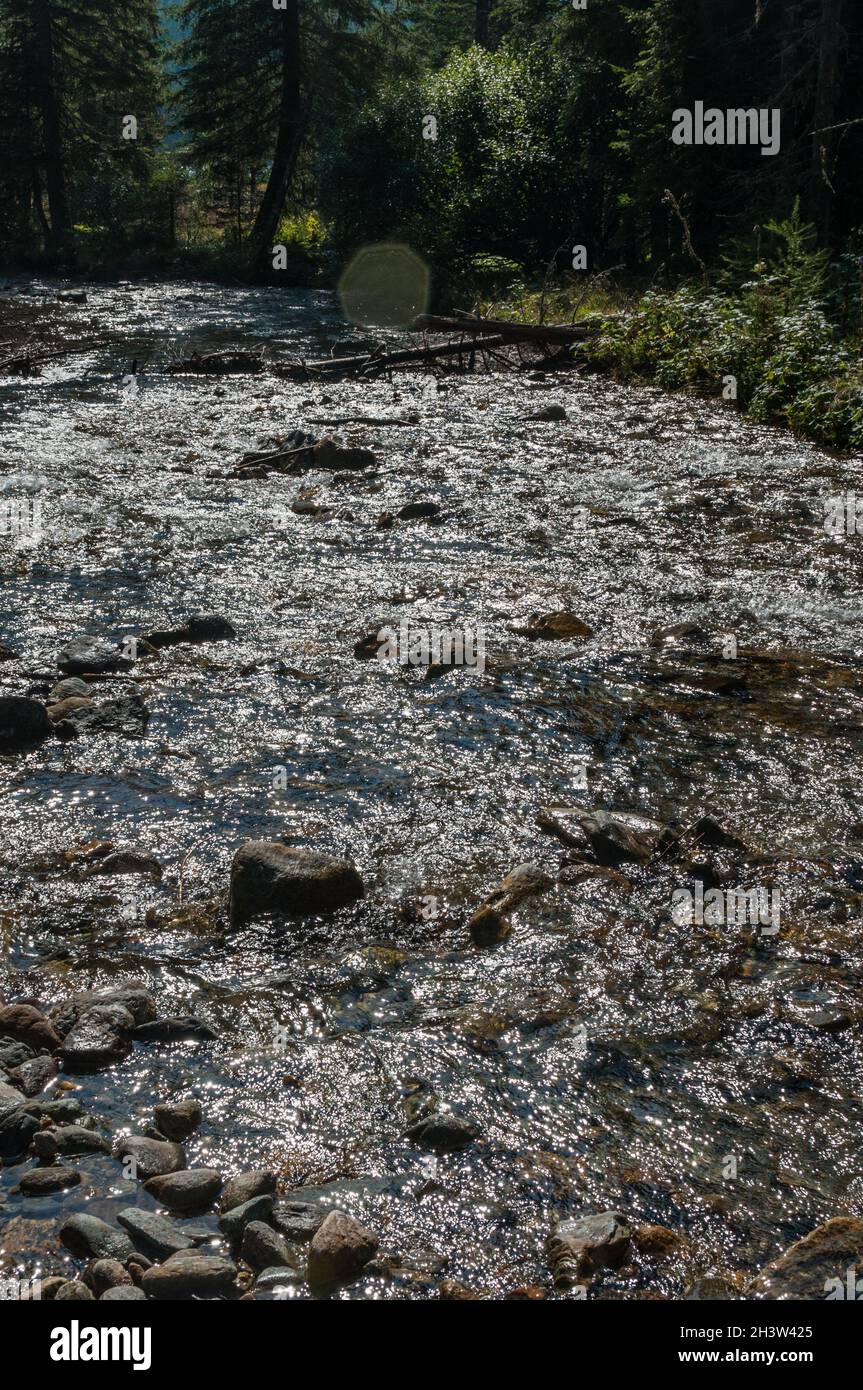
(699, 1076)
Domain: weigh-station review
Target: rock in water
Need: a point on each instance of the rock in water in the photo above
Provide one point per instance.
(127, 715)
(271, 877)
(578, 1246)
(133, 996)
(340, 1250)
(442, 1133)
(23, 722)
(234, 1221)
(200, 627)
(190, 1275)
(151, 1157)
(28, 1025)
(179, 1120)
(17, 1127)
(89, 1238)
(40, 1181)
(99, 1038)
(825, 1264)
(610, 837)
(554, 627)
(155, 1234)
(192, 1189)
(260, 1182)
(264, 1248)
(489, 923)
(84, 654)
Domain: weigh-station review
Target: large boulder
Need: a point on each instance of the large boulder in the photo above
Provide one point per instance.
(271, 877)
(23, 722)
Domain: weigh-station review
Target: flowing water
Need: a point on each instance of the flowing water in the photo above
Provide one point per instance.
(612, 1057)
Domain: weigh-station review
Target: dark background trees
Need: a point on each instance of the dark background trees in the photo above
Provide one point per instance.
(553, 127)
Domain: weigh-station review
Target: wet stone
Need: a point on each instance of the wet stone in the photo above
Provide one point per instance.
(179, 1119)
(94, 654)
(88, 1237)
(39, 1182)
(442, 1133)
(151, 1157)
(263, 1247)
(578, 1246)
(258, 1182)
(193, 1189)
(23, 723)
(100, 1037)
(234, 1221)
(340, 1250)
(271, 877)
(190, 1275)
(157, 1235)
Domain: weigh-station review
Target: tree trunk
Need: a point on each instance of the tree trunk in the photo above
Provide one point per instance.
(482, 15)
(288, 141)
(826, 96)
(59, 239)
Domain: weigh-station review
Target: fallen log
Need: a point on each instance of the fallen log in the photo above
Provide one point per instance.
(514, 332)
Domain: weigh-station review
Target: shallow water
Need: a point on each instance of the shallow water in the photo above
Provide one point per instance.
(611, 1057)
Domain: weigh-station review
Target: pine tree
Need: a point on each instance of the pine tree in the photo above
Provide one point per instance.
(73, 68)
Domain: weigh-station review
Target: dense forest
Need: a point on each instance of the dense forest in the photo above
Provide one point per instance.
(506, 141)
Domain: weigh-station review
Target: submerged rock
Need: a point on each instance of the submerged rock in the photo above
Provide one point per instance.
(442, 1133)
(298, 1220)
(180, 1028)
(488, 923)
(611, 837)
(23, 722)
(271, 877)
(126, 861)
(819, 1266)
(200, 627)
(554, 627)
(340, 1250)
(579, 1246)
(41, 1181)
